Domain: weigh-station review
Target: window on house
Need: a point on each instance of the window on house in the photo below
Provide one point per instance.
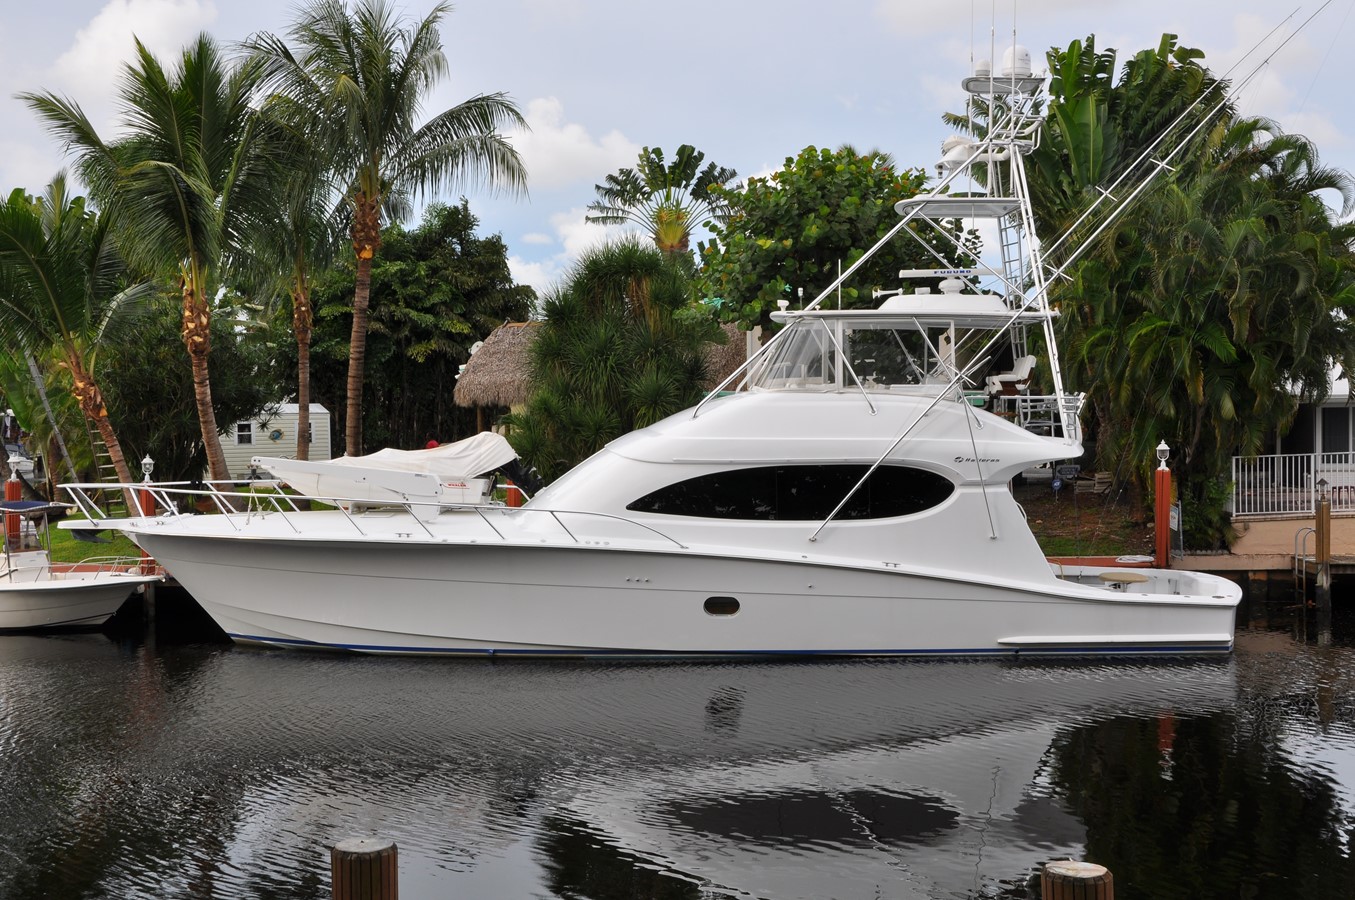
(244, 433)
(1335, 429)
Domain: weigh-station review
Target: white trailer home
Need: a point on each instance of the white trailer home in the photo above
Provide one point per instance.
(274, 434)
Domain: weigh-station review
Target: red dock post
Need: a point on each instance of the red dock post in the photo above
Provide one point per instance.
(1162, 508)
(13, 524)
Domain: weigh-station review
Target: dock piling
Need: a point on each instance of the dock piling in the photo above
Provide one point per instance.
(365, 869)
(1322, 584)
(1068, 879)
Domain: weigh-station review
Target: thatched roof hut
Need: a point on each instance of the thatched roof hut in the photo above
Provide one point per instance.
(499, 374)
(723, 359)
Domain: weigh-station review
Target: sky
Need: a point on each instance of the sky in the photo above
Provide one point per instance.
(749, 82)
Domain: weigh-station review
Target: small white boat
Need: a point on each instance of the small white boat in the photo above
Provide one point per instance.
(848, 495)
(37, 594)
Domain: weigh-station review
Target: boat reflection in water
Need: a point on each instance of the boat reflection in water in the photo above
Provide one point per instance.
(206, 771)
(952, 800)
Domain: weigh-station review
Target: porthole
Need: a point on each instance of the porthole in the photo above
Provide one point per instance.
(721, 606)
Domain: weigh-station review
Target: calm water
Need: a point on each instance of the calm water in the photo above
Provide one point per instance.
(150, 767)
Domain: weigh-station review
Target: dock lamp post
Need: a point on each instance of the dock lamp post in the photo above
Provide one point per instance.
(145, 501)
(1322, 585)
(1162, 506)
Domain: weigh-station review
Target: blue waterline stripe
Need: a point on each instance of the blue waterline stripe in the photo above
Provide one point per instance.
(1098, 650)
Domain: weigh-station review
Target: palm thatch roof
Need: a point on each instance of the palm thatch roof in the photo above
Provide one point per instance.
(499, 374)
(723, 359)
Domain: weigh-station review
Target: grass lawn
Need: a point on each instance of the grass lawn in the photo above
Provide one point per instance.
(65, 548)
(1073, 524)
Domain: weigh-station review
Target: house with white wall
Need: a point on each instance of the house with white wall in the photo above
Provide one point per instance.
(1275, 494)
(274, 433)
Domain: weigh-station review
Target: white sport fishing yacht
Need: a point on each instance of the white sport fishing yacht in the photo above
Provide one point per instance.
(848, 494)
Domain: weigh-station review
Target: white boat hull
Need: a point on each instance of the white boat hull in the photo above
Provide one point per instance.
(472, 598)
(78, 601)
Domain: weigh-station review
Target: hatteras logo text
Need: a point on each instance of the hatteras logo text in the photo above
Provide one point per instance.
(976, 459)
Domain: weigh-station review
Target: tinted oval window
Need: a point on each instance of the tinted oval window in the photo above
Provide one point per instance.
(799, 493)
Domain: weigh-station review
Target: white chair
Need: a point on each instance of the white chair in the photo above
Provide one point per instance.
(1013, 382)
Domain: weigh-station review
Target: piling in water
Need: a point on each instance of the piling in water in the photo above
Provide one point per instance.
(365, 869)
(1067, 879)
(1323, 583)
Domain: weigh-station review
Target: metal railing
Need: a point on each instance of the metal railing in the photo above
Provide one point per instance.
(258, 498)
(90, 566)
(1288, 484)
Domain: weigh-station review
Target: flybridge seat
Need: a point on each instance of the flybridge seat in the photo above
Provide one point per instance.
(452, 474)
(1013, 382)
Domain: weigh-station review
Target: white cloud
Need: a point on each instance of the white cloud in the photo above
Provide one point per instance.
(26, 165)
(89, 70)
(575, 237)
(558, 153)
(536, 237)
(910, 18)
(539, 275)
(548, 14)
(1321, 129)
(1281, 88)
(578, 236)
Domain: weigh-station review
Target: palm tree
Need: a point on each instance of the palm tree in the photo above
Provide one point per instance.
(668, 201)
(187, 183)
(1097, 127)
(360, 80)
(62, 283)
(1227, 297)
(615, 354)
(301, 238)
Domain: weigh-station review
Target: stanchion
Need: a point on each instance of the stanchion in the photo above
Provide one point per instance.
(1068, 879)
(365, 869)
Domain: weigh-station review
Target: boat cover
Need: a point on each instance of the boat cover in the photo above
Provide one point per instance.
(476, 455)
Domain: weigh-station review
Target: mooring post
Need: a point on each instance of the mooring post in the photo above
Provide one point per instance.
(365, 869)
(1162, 508)
(13, 523)
(1067, 879)
(145, 502)
(1322, 585)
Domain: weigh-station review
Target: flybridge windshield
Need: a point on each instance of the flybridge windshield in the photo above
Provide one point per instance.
(835, 354)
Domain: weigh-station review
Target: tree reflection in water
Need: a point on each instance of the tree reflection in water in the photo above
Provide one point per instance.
(1211, 808)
